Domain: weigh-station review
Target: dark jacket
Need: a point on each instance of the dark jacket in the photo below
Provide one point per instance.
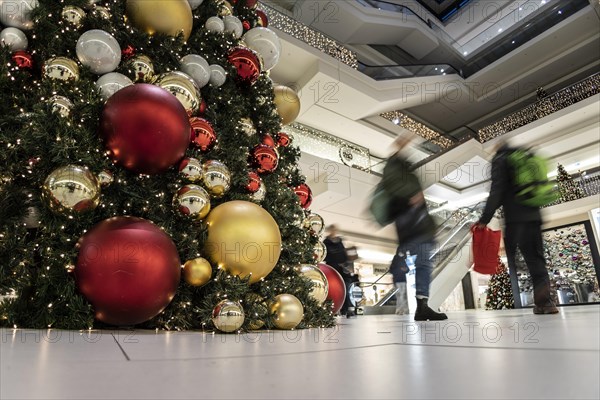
(399, 268)
(402, 183)
(502, 193)
(336, 254)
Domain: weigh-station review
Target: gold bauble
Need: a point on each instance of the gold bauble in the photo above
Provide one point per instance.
(71, 188)
(105, 178)
(73, 15)
(226, 9)
(287, 103)
(228, 316)
(243, 239)
(216, 177)
(159, 16)
(317, 277)
(287, 311)
(62, 68)
(319, 252)
(197, 272)
(183, 87)
(247, 126)
(143, 69)
(61, 105)
(314, 222)
(191, 169)
(192, 201)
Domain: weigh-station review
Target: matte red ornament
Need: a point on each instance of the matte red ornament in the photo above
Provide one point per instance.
(128, 269)
(23, 59)
(203, 134)
(246, 25)
(264, 158)
(262, 18)
(283, 139)
(268, 140)
(254, 182)
(202, 108)
(247, 64)
(145, 128)
(304, 195)
(128, 52)
(337, 287)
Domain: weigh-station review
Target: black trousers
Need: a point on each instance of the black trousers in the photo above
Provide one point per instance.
(527, 237)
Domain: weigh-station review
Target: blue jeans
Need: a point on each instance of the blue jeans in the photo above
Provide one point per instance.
(423, 249)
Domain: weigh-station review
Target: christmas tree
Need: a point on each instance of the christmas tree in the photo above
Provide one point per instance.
(499, 292)
(569, 189)
(145, 181)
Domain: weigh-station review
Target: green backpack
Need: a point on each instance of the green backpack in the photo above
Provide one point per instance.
(530, 176)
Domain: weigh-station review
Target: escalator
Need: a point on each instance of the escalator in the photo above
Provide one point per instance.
(451, 261)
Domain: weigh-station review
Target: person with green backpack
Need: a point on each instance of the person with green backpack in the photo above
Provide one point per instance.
(520, 185)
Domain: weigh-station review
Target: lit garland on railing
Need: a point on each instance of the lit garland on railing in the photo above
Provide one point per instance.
(540, 109)
(322, 144)
(410, 124)
(309, 36)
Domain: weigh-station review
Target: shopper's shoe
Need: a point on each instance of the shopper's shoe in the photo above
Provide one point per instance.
(546, 309)
(425, 313)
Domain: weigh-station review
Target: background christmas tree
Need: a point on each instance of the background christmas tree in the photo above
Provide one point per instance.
(41, 133)
(569, 189)
(499, 292)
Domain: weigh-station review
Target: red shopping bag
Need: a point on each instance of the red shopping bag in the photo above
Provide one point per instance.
(486, 246)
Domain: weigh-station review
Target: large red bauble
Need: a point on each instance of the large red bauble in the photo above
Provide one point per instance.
(265, 158)
(247, 64)
(145, 128)
(304, 195)
(128, 269)
(203, 134)
(268, 140)
(254, 182)
(337, 287)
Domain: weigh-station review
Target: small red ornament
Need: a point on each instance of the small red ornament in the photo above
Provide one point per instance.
(203, 134)
(247, 64)
(268, 140)
(265, 158)
(246, 25)
(128, 269)
(283, 139)
(254, 182)
(262, 18)
(304, 195)
(202, 108)
(337, 287)
(128, 52)
(145, 128)
(23, 59)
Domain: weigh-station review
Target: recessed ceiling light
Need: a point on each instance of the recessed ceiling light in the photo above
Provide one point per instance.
(442, 70)
(465, 53)
(560, 11)
(513, 42)
(500, 30)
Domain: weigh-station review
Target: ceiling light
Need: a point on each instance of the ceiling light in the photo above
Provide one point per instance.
(442, 70)
(499, 30)
(444, 73)
(560, 11)
(396, 120)
(465, 53)
(436, 68)
(520, 8)
(513, 42)
(543, 1)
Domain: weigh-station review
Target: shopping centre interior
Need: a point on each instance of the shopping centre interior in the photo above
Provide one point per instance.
(463, 76)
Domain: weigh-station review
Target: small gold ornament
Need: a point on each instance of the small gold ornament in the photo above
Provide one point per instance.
(159, 16)
(191, 169)
(71, 188)
(73, 15)
(228, 316)
(61, 105)
(314, 222)
(226, 9)
(287, 311)
(319, 252)
(103, 12)
(317, 277)
(143, 69)
(247, 126)
(192, 201)
(287, 103)
(197, 272)
(62, 68)
(183, 87)
(216, 177)
(105, 178)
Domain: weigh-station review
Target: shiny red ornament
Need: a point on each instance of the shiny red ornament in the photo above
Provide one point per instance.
(128, 52)
(202, 108)
(145, 128)
(246, 25)
(23, 59)
(304, 195)
(247, 64)
(128, 269)
(254, 182)
(203, 134)
(283, 139)
(262, 18)
(267, 140)
(264, 158)
(337, 287)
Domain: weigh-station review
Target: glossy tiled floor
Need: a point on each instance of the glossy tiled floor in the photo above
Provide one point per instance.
(474, 355)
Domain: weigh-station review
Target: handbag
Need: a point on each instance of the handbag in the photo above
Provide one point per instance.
(486, 246)
(380, 206)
